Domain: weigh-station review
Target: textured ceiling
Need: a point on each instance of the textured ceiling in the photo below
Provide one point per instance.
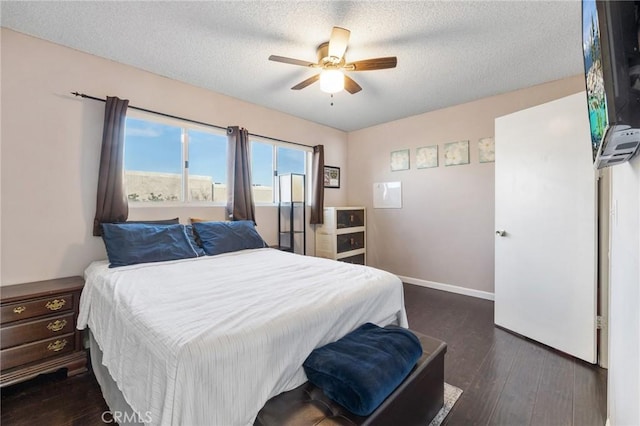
(448, 52)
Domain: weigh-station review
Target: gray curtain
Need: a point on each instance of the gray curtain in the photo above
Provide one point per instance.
(111, 202)
(240, 204)
(317, 186)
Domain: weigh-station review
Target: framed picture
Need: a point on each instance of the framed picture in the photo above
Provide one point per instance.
(486, 150)
(456, 153)
(400, 160)
(331, 177)
(427, 157)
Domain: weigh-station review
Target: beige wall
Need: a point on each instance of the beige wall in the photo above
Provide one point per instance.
(51, 144)
(444, 234)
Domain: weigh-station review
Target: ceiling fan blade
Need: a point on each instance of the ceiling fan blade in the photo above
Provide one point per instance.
(350, 85)
(338, 42)
(372, 64)
(291, 61)
(306, 83)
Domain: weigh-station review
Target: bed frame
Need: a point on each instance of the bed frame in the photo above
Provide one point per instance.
(415, 402)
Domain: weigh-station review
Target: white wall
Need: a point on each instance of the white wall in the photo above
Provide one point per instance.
(444, 234)
(51, 144)
(624, 296)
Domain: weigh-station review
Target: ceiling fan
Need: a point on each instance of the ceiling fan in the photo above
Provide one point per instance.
(332, 62)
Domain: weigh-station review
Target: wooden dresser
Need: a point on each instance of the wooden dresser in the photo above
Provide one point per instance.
(38, 329)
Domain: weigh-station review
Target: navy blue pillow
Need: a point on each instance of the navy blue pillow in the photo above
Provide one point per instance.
(173, 221)
(225, 237)
(361, 369)
(194, 240)
(141, 243)
(192, 237)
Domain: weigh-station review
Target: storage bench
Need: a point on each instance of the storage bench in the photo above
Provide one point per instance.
(415, 402)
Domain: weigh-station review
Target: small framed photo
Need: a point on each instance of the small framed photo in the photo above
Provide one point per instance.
(331, 177)
(400, 160)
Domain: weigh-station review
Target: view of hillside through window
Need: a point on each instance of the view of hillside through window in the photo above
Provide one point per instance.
(154, 164)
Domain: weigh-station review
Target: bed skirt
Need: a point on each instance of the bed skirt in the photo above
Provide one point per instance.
(119, 409)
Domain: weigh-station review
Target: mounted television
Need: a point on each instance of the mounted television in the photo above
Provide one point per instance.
(611, 51)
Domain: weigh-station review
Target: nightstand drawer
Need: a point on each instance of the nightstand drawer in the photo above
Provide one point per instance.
(36, 351)
(34, 308)
(36, 330)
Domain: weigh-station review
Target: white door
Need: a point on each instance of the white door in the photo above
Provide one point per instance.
(545, 277)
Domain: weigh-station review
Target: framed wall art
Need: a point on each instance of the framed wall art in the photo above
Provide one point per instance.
(331, 177)
(427, 157)
(487, 150)
(400, 160)
(456, 153)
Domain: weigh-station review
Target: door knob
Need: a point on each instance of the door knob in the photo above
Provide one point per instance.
(501, 232)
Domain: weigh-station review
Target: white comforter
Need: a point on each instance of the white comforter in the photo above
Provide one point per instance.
(208, 341)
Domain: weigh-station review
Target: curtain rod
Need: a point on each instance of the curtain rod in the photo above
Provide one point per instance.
(82, 95)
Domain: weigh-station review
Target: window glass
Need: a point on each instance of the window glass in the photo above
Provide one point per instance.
(207, 166)
(158, 157)
(262, 171)
(152, 161)
(291, 160)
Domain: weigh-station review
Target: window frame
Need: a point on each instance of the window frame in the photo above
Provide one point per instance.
(186, 126)
(274, 176)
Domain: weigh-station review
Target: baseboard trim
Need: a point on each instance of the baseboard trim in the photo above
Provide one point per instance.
(448, 287)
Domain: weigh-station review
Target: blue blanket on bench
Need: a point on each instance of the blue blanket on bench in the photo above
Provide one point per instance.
(360, 370)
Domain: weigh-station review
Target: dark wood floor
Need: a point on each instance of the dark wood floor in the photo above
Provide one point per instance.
(506, 379)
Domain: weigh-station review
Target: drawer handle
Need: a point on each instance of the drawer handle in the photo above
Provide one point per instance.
(57, 325)
(54, 305)
(19, 309)
(57, 346)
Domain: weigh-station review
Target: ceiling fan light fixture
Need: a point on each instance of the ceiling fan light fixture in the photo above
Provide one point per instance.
(331, 81)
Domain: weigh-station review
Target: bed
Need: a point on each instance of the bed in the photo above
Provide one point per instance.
(208, 340)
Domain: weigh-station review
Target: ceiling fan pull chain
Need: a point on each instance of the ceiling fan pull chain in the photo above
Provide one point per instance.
(332, 99)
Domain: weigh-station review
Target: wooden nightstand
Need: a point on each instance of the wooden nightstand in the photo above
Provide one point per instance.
(38, 329)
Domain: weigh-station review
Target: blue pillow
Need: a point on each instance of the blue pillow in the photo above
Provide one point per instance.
(192, 237)
(173, 221)
(141, 243)
(194, 240)
(225, 237)
(361, 369)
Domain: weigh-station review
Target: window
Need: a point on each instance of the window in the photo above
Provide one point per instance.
(262, 162)
(174, 162)
(291, 160)
(207, 166)
(270, 159)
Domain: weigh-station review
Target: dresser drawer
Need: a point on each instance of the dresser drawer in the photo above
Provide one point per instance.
(38, 307)
(350, 218)
(36, 351)
(358, 259)
(14, 335)
(349, 242)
